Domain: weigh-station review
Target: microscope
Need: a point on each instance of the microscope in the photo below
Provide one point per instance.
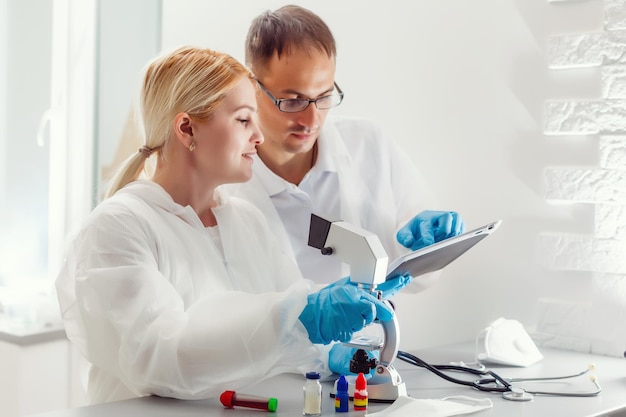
(368, 260)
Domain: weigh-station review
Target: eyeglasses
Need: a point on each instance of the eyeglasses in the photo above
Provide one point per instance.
(294, 105)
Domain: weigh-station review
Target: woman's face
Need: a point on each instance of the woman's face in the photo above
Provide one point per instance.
(226, 142)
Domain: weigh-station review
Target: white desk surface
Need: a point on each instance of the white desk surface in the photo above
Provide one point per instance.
(41, 333)
(611, 374)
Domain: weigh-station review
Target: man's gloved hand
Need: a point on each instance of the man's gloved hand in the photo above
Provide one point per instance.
(337, 311)
(388, 288)
(429, 227)
(339, 359)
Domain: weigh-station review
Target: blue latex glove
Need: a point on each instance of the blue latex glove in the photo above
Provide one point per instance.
(337, 311)
(388, 288)
(339, 359)
(393, 285)
(429, 227)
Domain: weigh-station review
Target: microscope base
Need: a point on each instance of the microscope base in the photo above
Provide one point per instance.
(385, 392)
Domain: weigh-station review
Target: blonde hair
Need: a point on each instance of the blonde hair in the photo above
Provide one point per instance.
(188, 80)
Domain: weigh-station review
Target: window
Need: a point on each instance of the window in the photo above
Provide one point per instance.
(65, 94)
(25, 91)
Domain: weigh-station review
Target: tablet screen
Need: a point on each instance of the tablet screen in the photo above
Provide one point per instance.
(436, 256)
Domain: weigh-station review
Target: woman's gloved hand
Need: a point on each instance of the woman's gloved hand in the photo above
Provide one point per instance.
(393, 285)
(429, 227)
(388, 288)
(337, 311)
(339, 359)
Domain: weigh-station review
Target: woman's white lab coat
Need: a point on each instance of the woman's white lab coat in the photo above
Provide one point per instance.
(152, 304)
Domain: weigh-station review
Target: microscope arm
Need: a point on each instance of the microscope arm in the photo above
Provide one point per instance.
(391, 332)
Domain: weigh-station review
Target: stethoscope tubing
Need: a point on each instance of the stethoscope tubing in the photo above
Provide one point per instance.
(492, 382)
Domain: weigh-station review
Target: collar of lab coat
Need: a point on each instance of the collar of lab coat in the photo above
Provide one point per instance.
(154, 194)
(330, 149)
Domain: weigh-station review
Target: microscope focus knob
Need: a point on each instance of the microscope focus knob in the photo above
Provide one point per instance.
(361, 362)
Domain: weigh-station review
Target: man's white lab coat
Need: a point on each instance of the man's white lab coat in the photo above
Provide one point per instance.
(360, 177)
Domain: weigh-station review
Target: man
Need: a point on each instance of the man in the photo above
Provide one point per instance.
(342, 169)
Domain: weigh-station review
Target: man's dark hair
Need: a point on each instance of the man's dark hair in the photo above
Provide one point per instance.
(281, 31)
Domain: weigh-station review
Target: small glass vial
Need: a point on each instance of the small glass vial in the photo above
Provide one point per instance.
(312, 395)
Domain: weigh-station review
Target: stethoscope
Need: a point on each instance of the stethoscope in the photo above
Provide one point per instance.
(489, 381)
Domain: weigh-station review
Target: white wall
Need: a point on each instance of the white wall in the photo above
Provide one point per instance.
(129, 35)
(461, 85)
(4, 45)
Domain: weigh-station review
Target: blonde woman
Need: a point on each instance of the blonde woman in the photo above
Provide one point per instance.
(170, 289)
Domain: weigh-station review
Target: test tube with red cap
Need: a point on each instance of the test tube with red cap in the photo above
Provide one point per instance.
(231, 399)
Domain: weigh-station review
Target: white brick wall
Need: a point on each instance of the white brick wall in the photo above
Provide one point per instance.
(614, 14)
(585, 117)
(591, 185)
(614, 81)
(587, 49)
(598, 325)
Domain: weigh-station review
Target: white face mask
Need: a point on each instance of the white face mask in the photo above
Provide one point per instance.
(506, 342)
(449, 406)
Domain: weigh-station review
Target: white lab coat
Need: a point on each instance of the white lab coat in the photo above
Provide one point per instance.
(149, 300)
(360, 177)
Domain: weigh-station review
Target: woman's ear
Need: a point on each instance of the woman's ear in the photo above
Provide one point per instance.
(183, 130)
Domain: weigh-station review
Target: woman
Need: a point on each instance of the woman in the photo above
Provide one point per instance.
(173, 291)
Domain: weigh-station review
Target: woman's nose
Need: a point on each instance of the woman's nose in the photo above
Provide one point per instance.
(257, 137)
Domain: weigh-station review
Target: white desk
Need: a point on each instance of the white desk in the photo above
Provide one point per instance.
(611, 373)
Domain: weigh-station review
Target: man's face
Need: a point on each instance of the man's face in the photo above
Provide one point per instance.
(301, 74)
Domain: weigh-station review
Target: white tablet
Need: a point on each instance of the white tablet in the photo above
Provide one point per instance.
(438, 255)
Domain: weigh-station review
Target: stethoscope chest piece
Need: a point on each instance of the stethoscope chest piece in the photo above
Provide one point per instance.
(517, 394)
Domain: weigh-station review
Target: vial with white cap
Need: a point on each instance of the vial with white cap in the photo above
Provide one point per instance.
(312, 395)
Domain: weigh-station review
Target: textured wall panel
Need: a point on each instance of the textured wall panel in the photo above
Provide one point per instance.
(580, 253)
(610, 222)
(614, 14)
(613, 152)
(584, 185)
(587, 49)
(614, 81)
(584, 117)
(596, 325)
